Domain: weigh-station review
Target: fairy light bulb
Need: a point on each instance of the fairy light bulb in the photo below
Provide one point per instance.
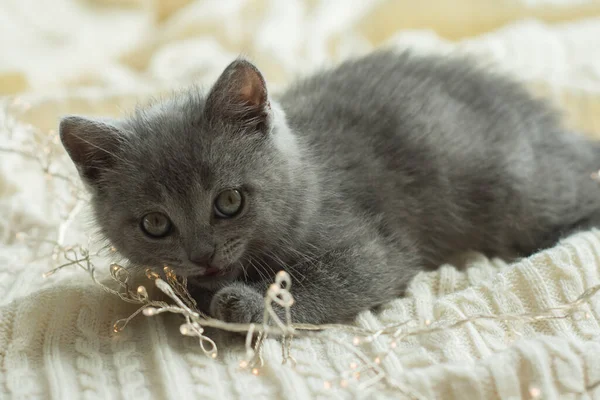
(327, 385)
(168, 271)
(150, 311)
(377, 360)
(185, 329)
(282, 275)
(244, 364)
(151, 274)
(192, 329)
(393, 345)
(141, 290)
(119, 326)
(353, 365)
(255, 371)
(344, 383)
(47, 274)
(356, 341)
(534, 392)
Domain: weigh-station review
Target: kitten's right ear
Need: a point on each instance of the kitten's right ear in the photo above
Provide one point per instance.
(91, 144)
(240, 96)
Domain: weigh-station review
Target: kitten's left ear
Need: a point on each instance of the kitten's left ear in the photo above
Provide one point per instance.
(240, 96)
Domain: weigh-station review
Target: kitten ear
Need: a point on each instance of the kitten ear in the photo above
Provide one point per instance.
(91, 144)
(240, 96)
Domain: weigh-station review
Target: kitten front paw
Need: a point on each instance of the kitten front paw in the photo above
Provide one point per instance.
(238, 303)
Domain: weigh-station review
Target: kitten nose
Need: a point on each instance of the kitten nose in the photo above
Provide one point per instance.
(202, 257)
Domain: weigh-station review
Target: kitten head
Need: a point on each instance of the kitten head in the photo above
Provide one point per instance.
(199, 183)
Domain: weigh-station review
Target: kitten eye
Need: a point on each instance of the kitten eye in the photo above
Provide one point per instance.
(228, 203)
(156, 225)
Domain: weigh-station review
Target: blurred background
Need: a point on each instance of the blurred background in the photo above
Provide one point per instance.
(100, 56)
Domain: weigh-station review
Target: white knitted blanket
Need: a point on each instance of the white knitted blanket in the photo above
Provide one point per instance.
(56, 338)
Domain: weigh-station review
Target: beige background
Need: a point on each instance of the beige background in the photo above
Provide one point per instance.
(65, 49)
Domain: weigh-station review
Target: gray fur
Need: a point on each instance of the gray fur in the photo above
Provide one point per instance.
(356, 179)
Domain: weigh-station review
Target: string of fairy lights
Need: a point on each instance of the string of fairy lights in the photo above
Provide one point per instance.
(367, 370)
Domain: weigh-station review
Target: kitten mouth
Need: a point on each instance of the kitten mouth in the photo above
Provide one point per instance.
(214, 272)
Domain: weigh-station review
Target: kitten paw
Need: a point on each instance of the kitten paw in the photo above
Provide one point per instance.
(238, 303)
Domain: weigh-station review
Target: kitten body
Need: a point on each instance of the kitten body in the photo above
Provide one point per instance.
(353, 180)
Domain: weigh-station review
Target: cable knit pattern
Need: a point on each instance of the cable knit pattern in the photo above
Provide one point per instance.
(59, 342)
(202, 370)
(129, 371)
(92, 379)
(56, 338)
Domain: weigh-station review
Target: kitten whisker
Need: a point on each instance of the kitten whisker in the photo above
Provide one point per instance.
(257, 269)
(300, 281)
(79, 137)
(243, 268)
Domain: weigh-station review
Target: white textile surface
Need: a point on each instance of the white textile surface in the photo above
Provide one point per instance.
(56, 338)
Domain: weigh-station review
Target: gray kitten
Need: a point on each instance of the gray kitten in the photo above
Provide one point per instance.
(353, 180)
